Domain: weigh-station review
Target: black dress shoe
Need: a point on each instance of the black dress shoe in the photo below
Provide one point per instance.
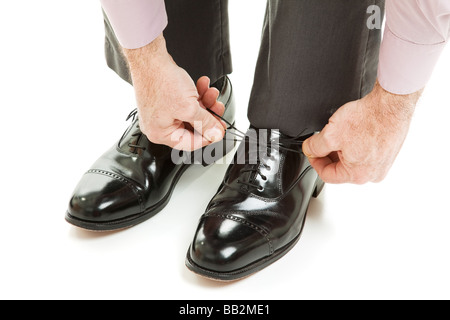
(134, 180)
(259, 211)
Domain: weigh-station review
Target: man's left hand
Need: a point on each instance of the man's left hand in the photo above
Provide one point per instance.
(363, 138)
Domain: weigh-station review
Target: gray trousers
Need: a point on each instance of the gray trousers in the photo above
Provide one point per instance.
(315, 56)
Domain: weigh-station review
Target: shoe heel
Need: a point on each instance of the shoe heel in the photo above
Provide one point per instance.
(319, 187)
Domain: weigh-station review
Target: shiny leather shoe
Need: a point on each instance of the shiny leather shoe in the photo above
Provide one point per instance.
(259, 211)
(135, 179)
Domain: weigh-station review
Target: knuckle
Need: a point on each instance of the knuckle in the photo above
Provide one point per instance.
(380, 178)
(152, 135)
(190, 113)
(151, 128)
(326, 179)
(360, 178)
(206, 121)
(360, 181)
(329, 137)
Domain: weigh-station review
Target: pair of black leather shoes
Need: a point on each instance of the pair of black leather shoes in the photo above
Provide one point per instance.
(255, 218)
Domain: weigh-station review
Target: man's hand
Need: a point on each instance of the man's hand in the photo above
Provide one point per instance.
(363, 138)
(170, 105)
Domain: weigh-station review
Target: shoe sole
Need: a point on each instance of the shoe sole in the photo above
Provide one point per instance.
(138, 218)
(256, 266)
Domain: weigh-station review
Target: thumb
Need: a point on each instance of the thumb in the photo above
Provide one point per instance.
(320, 145)
(206, 124)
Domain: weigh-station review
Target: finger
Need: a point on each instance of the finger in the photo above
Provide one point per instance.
(203, 85)
(320, 145)
(218, 108)
(210, 97)
(209, 100)
(320, 163)
(206, 124)
(224, 124)
(219, 111)
(186, 140)
(331, 171)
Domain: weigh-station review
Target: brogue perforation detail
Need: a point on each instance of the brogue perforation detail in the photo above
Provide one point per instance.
(121, 179)
(260, 230)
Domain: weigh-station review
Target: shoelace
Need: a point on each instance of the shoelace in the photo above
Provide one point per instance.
(138, 134)
(269, 145)
(231, 129)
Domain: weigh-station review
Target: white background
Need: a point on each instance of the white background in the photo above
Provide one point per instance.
(61, 108)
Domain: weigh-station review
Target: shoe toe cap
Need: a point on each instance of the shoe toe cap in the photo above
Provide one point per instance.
(226, 243)
(103, 196)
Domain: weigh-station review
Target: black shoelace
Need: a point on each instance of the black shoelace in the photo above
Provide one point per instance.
(138, 134)
(255, 168)
(239, 136)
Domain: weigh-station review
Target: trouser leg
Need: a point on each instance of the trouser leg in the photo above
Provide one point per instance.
(197, 38)
(315, 56)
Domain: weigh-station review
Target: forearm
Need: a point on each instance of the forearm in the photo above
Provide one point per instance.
(146, 67)
(143, 61)
(389, 108)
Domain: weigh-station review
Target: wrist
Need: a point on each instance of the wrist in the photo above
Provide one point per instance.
(149, 57)
(390, 107)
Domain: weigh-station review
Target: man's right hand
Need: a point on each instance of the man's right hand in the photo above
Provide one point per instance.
(172, 110)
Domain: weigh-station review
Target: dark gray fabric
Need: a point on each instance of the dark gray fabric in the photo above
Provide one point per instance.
(113, 52)
(315, 56)
(197, 38)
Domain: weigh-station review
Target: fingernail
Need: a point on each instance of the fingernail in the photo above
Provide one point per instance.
(214, 134)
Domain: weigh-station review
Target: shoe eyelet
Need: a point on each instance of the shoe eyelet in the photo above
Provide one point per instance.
(261, 189)
(264, 178)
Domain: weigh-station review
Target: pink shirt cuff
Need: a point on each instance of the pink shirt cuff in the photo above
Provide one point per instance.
(405, 67)
(136, 22)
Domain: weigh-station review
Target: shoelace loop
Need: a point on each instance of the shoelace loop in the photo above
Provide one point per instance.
(270, 145)
(133, 114)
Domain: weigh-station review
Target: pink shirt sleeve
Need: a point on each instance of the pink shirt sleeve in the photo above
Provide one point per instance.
(415, 35)
(136, 22)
